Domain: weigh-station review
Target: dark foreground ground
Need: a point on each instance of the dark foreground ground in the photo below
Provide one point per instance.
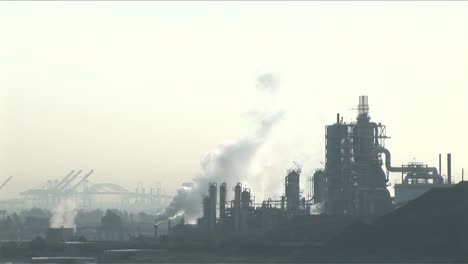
(125, 252)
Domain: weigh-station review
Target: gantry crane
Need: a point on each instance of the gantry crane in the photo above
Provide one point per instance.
(5, 182)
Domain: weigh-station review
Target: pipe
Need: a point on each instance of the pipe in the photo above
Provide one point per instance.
(388, 158)
(449, 168)
(440, 163)
(389, 167)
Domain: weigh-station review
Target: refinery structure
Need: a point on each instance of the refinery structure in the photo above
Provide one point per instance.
(243, 215)
(342, 216)
(352, 185)
(354, 182)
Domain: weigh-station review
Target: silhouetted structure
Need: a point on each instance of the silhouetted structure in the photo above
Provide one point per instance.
(353, 181)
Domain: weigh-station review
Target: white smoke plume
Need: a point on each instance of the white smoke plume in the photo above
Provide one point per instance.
(268, 82)
(317, 209)
(64, 214)
(229, 163)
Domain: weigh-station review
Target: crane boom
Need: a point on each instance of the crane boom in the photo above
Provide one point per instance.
(65, 185)
(5, 182)
(64, 179)
(82, 180)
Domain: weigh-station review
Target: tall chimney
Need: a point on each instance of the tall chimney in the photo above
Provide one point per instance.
(463, 174)
(338, 118)
(212, 206)
(237, 207)
(440, 164)
(206, 211)
(222, 202)
(449, 168)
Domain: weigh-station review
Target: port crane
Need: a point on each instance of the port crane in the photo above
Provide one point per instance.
(5, 182)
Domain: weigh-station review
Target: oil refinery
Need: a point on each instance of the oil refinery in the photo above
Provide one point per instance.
(346, 211)
(349, 194)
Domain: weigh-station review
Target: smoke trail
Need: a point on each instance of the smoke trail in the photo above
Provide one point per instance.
(228, 163)
(268, 82)
(316, 209)
(64, 214)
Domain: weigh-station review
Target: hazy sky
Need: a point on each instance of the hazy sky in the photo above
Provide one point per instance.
(141, 91)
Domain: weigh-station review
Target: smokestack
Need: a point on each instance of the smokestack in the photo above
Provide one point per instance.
(449, 168)
(292, 191)
(206, 211)
(212, 206)
(440, 164)
(222, 202)
(463, 174)
(245, 209)
(363, 107)
(338, 118)
(214, 168)
(237, 205)
(245, 198)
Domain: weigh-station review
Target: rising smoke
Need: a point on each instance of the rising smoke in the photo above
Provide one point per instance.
(268, 81)
(317, 208)
(229, 163)
(64, 214)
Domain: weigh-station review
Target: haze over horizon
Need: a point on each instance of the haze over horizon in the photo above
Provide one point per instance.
(141, 91)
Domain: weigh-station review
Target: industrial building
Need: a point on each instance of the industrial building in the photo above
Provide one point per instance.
(415, 181)
(352, 185)
(242, 215)
(348, 214)
(354, 182)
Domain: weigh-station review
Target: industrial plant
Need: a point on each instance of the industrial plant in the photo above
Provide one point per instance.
(242, 215)
(354, 182)
(352, 186)
(346, 210)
